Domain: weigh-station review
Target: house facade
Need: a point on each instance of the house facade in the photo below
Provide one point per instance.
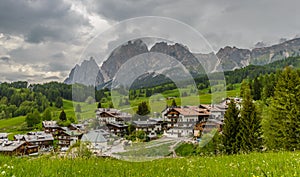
(181, 122)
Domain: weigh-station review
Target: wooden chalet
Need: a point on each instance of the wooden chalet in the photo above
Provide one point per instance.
(150, 125)
(12, 147)
(67, 138)
(51, 127)
(207, 126)
(109, 115)
(117, 128)
(40, 139)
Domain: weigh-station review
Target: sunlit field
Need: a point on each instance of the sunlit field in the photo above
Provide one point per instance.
(255, 164)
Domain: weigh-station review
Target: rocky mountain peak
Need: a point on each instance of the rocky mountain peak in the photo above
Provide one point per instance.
(227, 58)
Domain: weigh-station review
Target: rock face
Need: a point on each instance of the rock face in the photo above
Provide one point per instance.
(227, 58)
(181, 53)
(87, 73)
(120, 55)
(232, 58)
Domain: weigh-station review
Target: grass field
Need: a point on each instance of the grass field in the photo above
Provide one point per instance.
(157, 105)
(87, 110)
(251, 165)
(12, 124)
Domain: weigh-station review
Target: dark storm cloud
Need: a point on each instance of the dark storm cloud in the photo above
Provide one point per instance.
(51, 34)
(224, 22)
(39, 20)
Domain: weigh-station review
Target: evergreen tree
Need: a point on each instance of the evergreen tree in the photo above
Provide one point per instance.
(231, 129)
(244, 86)
(143, 109)
(173, 103)
(59, 102)
(99, 105)
(249, 125)
(269, 86)
(47, 114)
(62, 116)
(282, 127)
(257, 87)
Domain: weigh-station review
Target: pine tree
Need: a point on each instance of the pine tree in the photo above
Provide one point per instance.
(174, 103)
(62, 116)
(99, 105)
(282, 127)
(249, 126)
(269, 86)
(230, 129)
(256, 89)
(143, 109)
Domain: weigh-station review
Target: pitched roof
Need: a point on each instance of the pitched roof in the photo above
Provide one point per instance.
(93, 137)
(35, 136)
(187, 111)
(7, 146)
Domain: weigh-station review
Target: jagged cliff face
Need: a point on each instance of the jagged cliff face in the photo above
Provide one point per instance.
(181, 53)
(227, 58)
(122, 54)
(233, 58)
(87, 73)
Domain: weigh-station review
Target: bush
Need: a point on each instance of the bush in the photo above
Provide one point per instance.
(186, 149)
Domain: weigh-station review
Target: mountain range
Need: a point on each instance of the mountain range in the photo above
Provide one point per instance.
(226, 59)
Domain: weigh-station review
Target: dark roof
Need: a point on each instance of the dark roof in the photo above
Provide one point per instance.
(8, 146)
(144, 123)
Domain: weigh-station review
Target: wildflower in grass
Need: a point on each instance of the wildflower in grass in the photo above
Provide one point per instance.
(3, 173)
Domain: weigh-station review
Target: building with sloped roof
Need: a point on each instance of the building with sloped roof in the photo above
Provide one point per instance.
(12, 147)
(98, 143)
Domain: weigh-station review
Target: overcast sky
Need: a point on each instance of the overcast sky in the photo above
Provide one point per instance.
(41, 40)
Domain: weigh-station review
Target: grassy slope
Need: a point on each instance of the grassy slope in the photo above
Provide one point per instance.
(13, 125)
(88, 110)
(255, 164)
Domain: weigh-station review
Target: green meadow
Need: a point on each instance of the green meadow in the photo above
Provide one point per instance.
(250, 165)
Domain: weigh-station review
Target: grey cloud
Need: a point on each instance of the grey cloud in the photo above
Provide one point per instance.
(40, 20)
(52, 26)
(239, 23)
(5, 58)
(51, 78)
(57, 66)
